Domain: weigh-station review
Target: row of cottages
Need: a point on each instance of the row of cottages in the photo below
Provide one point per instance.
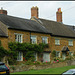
(57, 35)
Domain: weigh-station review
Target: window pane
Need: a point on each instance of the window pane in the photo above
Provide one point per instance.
(19, 57)
(70, 42)
(44, 40)
(18, 38)
(57, 42)
(33, 39)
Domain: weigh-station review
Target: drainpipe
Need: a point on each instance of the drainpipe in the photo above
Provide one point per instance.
(30, 37)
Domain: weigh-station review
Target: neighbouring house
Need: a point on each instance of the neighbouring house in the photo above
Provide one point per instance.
(36, 30)
(62, 36)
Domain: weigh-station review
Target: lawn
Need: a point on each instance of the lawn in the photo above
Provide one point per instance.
(47, 71)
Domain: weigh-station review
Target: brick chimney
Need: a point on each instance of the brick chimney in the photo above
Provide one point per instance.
(3, 11)
(59, 15)
(34, 12)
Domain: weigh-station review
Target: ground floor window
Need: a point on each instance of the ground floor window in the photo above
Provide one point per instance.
(57, 53)
(35, 55)
(70, 53)
(20, 56)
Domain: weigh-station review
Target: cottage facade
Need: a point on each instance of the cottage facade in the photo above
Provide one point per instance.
(36, 30)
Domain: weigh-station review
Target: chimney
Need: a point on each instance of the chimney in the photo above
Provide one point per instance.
(34, 12)
(3, 11)
(59, 15)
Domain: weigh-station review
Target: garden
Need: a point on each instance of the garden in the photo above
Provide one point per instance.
(28, 50)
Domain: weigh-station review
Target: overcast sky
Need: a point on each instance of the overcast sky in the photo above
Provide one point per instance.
(47, 9)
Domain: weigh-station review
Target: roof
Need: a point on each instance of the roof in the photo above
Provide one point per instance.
(22, 24)
(2, 34)
(71, 27)
(57, 29)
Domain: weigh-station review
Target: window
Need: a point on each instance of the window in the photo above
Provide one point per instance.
(18, 38)
(35, 55)
(70, 42)
(57, 42)
(45, 40)
(20, 56)
(33, 40)
(70, 53)
(57, 53)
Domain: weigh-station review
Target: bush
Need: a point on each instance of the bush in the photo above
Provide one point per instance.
(69, 58)
(53, 53)
(28, 49)
(3, 52)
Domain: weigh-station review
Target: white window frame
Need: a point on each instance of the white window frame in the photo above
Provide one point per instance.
(70, 42)
(71, 53)
(57, 41)
(45, 39)
(35, 55)
(33, 39)
(19, 37)
(20, 56)
(57, 53)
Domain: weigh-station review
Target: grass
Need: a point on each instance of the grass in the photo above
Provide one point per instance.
(48, 71)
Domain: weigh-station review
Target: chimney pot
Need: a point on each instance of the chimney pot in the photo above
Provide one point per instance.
(59, 9)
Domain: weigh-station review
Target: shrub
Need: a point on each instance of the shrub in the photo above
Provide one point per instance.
(3, 52)
(28, 50)
(69, 57)
(53, 53)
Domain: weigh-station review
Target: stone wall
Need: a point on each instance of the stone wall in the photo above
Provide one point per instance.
(23, 67)
(63, 42)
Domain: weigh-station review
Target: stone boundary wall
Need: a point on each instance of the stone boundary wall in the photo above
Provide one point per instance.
(19, 68)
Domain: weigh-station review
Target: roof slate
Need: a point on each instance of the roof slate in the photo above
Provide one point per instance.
(22, 24)
(71, 27)
(57, 29)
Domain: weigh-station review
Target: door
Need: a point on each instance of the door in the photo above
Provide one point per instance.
(46, 57)
(64, 55)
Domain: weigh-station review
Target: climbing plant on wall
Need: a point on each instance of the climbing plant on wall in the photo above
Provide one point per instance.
(28, 49)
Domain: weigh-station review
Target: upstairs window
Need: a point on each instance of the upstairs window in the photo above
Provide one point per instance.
(70, 42)
(57, 42)
(45, 40)
(18, 38)
(33, 39)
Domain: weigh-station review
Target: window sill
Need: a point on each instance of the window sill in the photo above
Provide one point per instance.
(71, 45)
(57, 44)
(19, 60)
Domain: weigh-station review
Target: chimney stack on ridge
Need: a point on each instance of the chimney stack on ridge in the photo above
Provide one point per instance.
(59, 15)
(3, 11)
(34, 12)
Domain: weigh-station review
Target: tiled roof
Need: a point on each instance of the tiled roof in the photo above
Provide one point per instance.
(22, 24)
(57, 29)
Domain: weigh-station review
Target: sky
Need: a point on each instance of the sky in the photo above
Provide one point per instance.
(47, 9)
